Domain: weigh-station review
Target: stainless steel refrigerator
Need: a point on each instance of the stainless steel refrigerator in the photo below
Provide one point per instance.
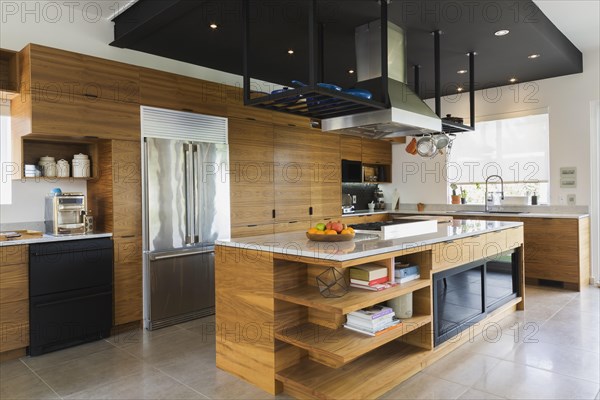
(186, 208)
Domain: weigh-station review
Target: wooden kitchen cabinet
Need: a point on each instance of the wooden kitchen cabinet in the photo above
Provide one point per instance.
(9, 73)
(115, 199)
(128, 301)
(326, 186)
(376, 152)
(294, 172)
(363, 219)
(14, 297)
(63, 115)
(177, 92)
(48, 70)
(351, 148)
(251, 172)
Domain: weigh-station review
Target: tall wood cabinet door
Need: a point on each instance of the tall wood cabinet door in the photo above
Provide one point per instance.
(127, 280)
(251, 168)
(294, 172)
(351, 148)
(159, 89)
(127, 188)
(202, 97)
(326, 185)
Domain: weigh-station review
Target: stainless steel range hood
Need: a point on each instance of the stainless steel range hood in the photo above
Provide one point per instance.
(408, 114)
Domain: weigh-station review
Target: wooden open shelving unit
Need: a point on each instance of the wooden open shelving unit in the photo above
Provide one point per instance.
(278, 332)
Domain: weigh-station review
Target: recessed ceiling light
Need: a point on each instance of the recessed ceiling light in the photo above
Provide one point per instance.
(533, 56)
(462, 71)
(502, 32)
(213, 26)
(290, 51)
(350, 71)
(459, 89)
(512, 80)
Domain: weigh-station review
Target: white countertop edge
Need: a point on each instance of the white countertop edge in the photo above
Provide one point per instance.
(50, 238)
(253, 243)
(467, 214)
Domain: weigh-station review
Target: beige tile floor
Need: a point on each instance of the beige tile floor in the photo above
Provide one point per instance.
(549, 351)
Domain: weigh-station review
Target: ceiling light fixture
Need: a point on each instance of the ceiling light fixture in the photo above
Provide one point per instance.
(459, 89)
(512, 80)
(350, 71)
(213, 26)
(462, 71)
(533, 56)
(290, 51)
(502, 32)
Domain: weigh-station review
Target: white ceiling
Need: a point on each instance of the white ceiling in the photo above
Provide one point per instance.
(579, 20)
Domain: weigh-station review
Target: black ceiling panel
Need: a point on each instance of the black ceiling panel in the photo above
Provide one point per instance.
(180, 30)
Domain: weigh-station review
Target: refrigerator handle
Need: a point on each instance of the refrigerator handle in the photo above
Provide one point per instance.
(189, 213)
(196, 203)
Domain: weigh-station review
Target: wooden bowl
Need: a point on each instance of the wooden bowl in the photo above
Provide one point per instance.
(330, 238)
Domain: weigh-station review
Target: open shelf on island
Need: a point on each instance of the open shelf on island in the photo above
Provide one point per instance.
(370, 376)
(337, 347)
(355, 299)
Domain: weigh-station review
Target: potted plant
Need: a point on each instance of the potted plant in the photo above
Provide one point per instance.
(463, 196)
(455, 197)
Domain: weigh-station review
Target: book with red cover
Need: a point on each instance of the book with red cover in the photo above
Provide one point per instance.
(383, 279)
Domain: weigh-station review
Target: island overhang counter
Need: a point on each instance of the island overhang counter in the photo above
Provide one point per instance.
(277, 331)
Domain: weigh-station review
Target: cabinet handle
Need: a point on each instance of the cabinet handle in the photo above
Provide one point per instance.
(187, 110)
(310, 211)
(251, 119)
(273, 213)
(293, 222)
(251, 226)
(449, 242)
(127, 236)
(91, 95)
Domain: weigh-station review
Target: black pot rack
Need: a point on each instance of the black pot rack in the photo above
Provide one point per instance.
(316, 102)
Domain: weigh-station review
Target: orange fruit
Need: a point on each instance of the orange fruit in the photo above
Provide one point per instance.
(330, 232)
(312, 231)
(346, 232)
(318, 232)
(350, 229)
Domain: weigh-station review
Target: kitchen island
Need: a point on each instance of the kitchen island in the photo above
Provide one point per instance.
(275, 329)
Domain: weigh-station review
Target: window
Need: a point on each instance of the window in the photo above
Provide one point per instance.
(5, 155)
(517, 149)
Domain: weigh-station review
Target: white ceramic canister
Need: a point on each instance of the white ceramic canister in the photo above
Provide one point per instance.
(81, 166)
(48, 166)
(63, 168)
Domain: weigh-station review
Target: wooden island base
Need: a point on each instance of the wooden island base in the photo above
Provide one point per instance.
(276, 331)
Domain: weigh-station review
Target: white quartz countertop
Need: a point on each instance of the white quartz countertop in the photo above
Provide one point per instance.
(462, 214)
(296, 243)
(50, 238)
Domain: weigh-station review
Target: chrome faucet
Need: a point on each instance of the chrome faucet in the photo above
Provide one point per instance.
(489, 197)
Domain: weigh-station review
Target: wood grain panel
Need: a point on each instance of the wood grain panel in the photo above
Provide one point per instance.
(284, 119)
(362, 219)
(584, 252)
(14, 325)
(251, 167)
(127, 188)
(100, 190)
(158, 89)
(128, 301)
(291, 226)
(351, 148)
(326, 187)
(14, 282)
(376, 152)
(244, 311)
(11, 255)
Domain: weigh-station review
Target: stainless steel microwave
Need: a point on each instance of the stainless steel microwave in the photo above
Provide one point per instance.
(351, 171)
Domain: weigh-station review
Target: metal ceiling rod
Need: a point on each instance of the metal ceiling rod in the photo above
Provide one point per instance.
(472, 55)
(438, 73)
(417, 80)
(384, 53)
(313, 44)
(245, 48)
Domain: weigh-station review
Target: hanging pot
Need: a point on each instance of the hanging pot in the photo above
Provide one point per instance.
(426, 146)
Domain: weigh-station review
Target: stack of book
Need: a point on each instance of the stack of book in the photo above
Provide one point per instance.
(372, 321)
(406, 272)
(370, 277)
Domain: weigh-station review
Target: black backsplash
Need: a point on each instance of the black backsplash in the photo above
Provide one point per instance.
(365, 193)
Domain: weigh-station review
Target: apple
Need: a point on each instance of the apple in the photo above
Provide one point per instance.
(321, 226)
(337, 226)
(329, 226)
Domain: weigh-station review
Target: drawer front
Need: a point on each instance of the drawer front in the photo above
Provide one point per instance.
(514, 237)
(128, 250)
(10, 255)
(447, 255)
(292, 226)
(251, 230)
(14, 283)
(473, 248)
(495, 244)
(14, 325)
